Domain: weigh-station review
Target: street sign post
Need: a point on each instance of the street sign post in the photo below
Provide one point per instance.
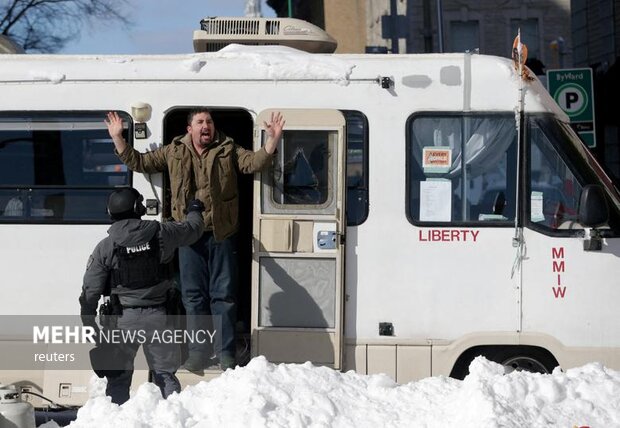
(572, 90)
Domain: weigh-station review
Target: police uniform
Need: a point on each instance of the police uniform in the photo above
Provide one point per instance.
(132, 263)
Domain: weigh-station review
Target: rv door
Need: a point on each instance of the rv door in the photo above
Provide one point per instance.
(298, 246)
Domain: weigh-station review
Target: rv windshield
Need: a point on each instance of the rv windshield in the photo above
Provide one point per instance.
(559, 166)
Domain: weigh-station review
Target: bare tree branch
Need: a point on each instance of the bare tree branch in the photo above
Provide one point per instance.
(48, 25)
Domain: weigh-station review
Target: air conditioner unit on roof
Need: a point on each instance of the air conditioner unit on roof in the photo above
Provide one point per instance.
(216, 33)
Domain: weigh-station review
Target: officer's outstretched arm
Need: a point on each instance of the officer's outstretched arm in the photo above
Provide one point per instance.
(176, 234)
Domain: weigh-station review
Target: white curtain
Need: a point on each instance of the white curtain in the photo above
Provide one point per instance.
(487, 139)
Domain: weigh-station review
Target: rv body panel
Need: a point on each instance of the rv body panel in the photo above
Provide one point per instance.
(417, 294)
(561, 288)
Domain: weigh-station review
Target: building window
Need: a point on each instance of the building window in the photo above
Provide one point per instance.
(464, 36)
(57, 167)
(529, 35)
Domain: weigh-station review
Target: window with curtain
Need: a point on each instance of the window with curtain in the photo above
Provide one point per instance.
(462, 168)
(464, 36)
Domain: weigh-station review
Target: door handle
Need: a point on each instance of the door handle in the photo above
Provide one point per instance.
(326, 239)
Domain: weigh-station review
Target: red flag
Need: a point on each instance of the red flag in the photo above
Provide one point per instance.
(519, 56)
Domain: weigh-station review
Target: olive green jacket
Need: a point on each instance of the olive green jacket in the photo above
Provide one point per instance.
(211, 178)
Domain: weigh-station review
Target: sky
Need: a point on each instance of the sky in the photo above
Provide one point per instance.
(263, 394)
(159, 27)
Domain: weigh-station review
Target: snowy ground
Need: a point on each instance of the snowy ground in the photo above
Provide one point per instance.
(302, 395)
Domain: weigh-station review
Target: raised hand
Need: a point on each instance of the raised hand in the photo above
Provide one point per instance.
(273, 129)
(114, 124)
(115, 129)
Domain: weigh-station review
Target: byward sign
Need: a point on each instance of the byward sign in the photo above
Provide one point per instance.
(572, 90)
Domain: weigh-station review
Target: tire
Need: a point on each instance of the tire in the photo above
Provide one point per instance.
(520, 358)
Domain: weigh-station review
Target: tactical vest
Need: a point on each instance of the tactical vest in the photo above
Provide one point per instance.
(139, 266)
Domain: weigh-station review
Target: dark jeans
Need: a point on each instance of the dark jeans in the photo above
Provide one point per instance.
(209, 287)
(163, 358)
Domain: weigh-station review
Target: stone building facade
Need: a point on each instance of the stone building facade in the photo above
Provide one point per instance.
(412, 26)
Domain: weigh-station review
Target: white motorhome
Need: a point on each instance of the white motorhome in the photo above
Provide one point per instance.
(421, 209)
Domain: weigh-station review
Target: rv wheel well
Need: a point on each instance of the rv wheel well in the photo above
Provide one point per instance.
(512, 357)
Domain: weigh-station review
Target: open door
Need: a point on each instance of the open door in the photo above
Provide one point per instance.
(298, 247)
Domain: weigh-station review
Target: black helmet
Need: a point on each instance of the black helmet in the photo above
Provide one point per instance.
(124, 203)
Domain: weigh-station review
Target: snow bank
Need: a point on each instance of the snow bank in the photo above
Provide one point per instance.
(302, 395)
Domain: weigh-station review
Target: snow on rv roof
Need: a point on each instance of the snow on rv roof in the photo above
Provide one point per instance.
(255, 62)
(281, 62)
(490, 82)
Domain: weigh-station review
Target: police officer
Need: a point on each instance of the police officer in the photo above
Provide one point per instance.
(133, 265)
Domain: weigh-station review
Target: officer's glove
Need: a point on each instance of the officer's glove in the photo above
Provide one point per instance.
(88, 315)
(195, 205)
(110, 360)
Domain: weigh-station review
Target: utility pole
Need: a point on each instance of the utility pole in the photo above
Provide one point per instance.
(440, 25)
(427, 29)
(394, 24)
(252, 9)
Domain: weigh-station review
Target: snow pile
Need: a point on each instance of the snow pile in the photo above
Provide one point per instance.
(194, 64)
(302, 395)
(51, 76)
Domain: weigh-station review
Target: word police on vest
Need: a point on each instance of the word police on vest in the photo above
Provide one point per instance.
(58, 334)
(139, 248)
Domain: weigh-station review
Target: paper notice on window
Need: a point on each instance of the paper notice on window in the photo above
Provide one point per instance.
(435, 200)
(436, 159)
(536, 202)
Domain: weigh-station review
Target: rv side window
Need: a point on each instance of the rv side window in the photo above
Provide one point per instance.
(304, 171)
(57, 167)
(357, 167)
(462, 169)
(301, 169)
